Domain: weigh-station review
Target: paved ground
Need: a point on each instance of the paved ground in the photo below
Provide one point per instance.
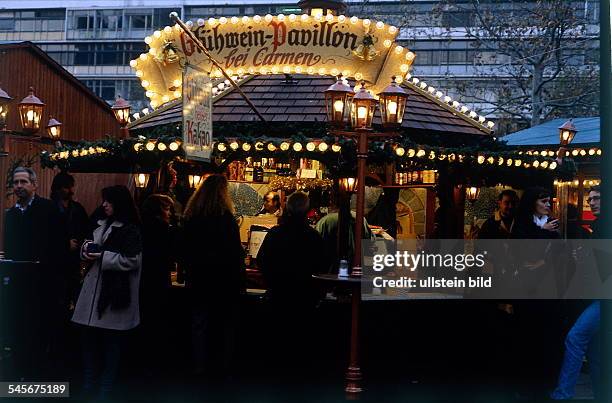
(411, 352)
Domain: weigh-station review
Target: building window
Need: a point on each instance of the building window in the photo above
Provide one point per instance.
(7, 25)
(456, 19)
(138, 21)
(84, 22)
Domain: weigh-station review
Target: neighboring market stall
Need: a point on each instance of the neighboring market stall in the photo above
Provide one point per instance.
(584, 149)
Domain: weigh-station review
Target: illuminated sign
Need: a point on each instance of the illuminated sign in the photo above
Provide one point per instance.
(197, 114)
(325, 45)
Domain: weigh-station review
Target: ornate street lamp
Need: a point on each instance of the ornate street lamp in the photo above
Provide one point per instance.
(54, 128)
(362, 109)
(567, 132)
(4, 101)
(30, 112)
(392, 105)
(348, 185)
(194, 181)
(338, 99)
(141, 180)
(322, 7)
(121, 109)
(471, 193)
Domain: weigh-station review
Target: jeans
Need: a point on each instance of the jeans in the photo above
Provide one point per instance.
(581, 340)
(101, 358)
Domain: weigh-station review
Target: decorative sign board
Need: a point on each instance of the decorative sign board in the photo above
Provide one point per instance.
(325, 45)
(197, 114)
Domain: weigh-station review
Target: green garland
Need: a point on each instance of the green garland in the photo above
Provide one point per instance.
(474, 159)
(111, 155)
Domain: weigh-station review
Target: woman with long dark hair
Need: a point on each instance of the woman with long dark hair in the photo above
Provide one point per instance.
(537, 260)
(107, 306)
(158, 261)
(215, 272)
(533, 219)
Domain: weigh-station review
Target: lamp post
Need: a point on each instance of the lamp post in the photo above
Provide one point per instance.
(194, 181)
(5, 99)
(338, 99)
(322, 7)
(30, 111)
(54, 128)
(567, 132)
(471, 193)
(141, 180)
(348, 185)
(121, 109)
(361, 112)
(392, 105)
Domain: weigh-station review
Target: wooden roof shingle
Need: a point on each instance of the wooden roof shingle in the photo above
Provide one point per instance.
(302, 99)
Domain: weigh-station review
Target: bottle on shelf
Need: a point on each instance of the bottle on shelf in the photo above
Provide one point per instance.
(248, 171)
(258, 173)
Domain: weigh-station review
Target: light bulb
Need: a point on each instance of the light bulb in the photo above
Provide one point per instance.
(392, 107)
(362, 111)
(338, 106)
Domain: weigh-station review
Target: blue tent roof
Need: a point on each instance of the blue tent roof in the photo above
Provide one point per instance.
(548, 133)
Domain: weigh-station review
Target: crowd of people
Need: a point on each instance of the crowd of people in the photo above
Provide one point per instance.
(113, 267)
(530, 218)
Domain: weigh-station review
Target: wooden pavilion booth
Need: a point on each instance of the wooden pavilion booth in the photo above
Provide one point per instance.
(268, 78)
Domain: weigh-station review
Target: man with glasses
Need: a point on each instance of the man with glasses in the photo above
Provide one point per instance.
(582, 339)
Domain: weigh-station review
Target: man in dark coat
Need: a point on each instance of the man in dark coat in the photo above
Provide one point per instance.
(290, 254)
(76, 227)
(33, 232)
(500, 225)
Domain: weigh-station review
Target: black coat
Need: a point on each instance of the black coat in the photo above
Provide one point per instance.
(76, 225)
(35, 234)
(214, 259)
(525, 228)
(158, 256)
(290, 254)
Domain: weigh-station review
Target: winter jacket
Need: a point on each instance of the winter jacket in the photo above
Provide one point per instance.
(214, 258)
(109, 296)
(35, 234)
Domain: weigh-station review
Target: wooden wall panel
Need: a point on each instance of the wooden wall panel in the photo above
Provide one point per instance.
(84, 117)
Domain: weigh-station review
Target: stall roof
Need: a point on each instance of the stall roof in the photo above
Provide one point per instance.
(548, 133)
(303, 101)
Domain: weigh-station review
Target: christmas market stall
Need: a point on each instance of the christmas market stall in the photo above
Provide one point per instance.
(319, 102)
(577, 140)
